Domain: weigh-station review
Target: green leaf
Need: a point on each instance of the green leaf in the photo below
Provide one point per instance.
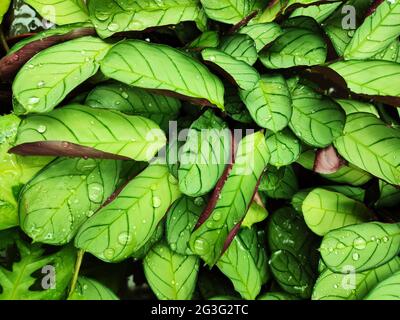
(373, 77)
(61, 12)
(114, 16)
(294, 276)
(371, 145)
(58, 200)
(245, 263)
(355, 193)
(208, 39)
(244, 75)
(122, 227)
(325, 210)
(90, 289)
(269, 102)
(276, 296)
(230, 11)
(316, 119)
(390, 53)
(354, 106)
(134, 101)
(181, 220)
(231, 206)
(388, 289)
(389, 196)
(295, 47)
(4, 8)
(109, 131)
(279, 183)
(53, 73)
(154, 66)
(351, 285)
(255, 214)
(262, 33)
(241, 47)
(234, 106)
(154, 238)
(363, 246)
(318, 12)
(283, 147)
(376, 33)
(204, 156)
(29, 279)
(170, 275)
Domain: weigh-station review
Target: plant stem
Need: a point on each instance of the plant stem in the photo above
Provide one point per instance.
(76, 272)
(3, 40)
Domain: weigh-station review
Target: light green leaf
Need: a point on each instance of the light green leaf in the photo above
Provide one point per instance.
(171, 276)
(316, 119)
(371, 145)
(354, 106)
(363, 246)
(376, 33)
(283, 147)
(154, 238)
(388, 289)
(4, 8)
(234, 106)
(154, 66)
(255, 214)
(90, 289)
(58, 200)
(390, 53)
(61, 12)
(114, 16)
(318, 12)
(325, 210)
(109, 131)
(208, 39)
(279, 183)
(389, 196)
(241, 47)
(53, 73)
(122, 227)
(262, 33)
(269, 102)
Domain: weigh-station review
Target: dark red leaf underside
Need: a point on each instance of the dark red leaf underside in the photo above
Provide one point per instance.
(328, 161)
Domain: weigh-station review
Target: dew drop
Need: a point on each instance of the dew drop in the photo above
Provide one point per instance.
(95, 192)
(355, 256)
(41, 84)
(217, 216)
(156, 202)
(85, 165)
(201, 246)
(113, 27)
(33, 100)
(124, 238)
(173, 246)
(109, 253)
(385, 239)
(172, 179)
(199, 201)
(124, 95)
(42, 129)
(359, 243)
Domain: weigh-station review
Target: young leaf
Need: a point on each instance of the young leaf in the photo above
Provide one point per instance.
(295, 47)
(388, 289)
(134, 101)
(90, 289)
(171, 276)
(325, 210)
(354, 106)
(123, 226)
(318, 12)
(245, 264)
(61, 12)
(283, 147)
(351, 285)
(204, 156)
(160, 67)
(99, 133)
(212, 238)
(208, 39)
(376, 33)
(371, 145)
(269, 102)
(279, 183)
(58, 200)
(181, 220)
(262, 33)
(244, 75)
(363, 246)
(316, 119)
(53, 73)
(241, 47)
(255, 214)
(114, 16)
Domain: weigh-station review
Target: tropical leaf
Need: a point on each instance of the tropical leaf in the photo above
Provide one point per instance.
(269, 102)
(295, 47)
(279, 183)
(208, 39)
(316, 119)
(325, 210)
(234, 106)
(351, 285)
(123, 226)
(168, 69)
(224, 215)
(388, 289)
(363, 246)
(134, 101)
(376, 33)
(61, 12)
(390, 53)
(58, 200)
(245, 76)
(283, 147)
(170, 275)
(371, 145)
(110, 132)
(230, 11)
(241, 47)
(114, 16)
(318, 12)
(354, 106)
(204, 156)
(50, 75)
(181, 220)
(245, 263)
(255, 214)
(154, 238)
(389, 195)
(262, 33)
(90, 289)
